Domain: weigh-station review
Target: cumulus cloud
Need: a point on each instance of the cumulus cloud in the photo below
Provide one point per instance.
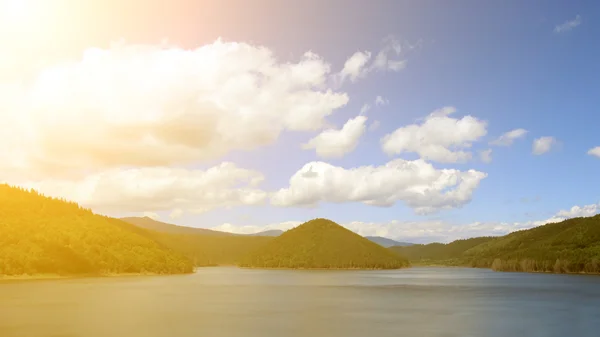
(133, 105)
(429, 230)
(595, 151)
(568, 25)
(509, 137)
(355, 66)
(577, 211)
(439, 138)
(486, 156)
(337, 143)
(416, 183)
(542, 145)
(154, 189)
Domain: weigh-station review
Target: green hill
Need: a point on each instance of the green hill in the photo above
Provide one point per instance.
(439, 253)
(41, 235)
(322, 243)
(572, 245)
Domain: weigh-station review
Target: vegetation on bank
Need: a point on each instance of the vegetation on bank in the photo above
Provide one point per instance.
(42, 235)
(322, 244)
(570, 246)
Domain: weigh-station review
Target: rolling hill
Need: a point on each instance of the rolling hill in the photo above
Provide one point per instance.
(385, 242)
(450, 253)
(569, 246)
(41, 235)
(322, 243)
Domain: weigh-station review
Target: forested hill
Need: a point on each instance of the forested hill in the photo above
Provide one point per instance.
(41, 235)
(438, 252)
(570, 246)
(322, 243)
(159, 226)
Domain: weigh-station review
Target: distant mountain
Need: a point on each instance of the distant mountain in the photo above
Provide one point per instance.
(322, 243)
(149, 223)
(41, 235)
(272, 232)
(385, 242)
(439, 251)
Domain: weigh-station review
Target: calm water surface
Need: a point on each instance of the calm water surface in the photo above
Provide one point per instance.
(216, 302)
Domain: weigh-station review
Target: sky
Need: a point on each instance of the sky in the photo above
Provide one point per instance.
(418, 121)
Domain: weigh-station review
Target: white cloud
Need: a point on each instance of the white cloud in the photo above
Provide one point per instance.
(542, 145)
(595, 151)
(382, 61)
(159, 189)
(568, 25)
(486, 156)
(428, 231)
(577, 211)
(416, 183)
(387, 59)
(381, 101)
(366, 107)
(355, 66)
(374, 126)
(158, 106)
(337, 143)
(439, 138)
(509, 137)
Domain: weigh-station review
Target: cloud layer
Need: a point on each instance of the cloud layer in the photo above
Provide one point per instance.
(334, 143)
(416, 183)
(439, 138)
(159, 106)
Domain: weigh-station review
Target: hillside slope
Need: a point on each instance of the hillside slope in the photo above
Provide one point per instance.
(41, 235)
(322, 243)
(159, 226)
(439, 252)
(572, 245)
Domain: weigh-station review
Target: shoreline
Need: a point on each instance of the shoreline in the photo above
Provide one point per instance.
(52, 277)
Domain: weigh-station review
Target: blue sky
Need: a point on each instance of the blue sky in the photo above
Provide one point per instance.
(508, 64)
(500, 62)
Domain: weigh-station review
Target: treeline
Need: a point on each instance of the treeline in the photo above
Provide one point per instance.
(321, 243)
(570, 246)
(41, 235)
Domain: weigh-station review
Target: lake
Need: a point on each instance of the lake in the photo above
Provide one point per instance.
(216, 302)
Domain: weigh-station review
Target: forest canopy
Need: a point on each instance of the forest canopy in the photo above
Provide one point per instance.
(42, 235)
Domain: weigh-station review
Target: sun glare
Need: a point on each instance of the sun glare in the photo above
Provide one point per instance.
(14, 10)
